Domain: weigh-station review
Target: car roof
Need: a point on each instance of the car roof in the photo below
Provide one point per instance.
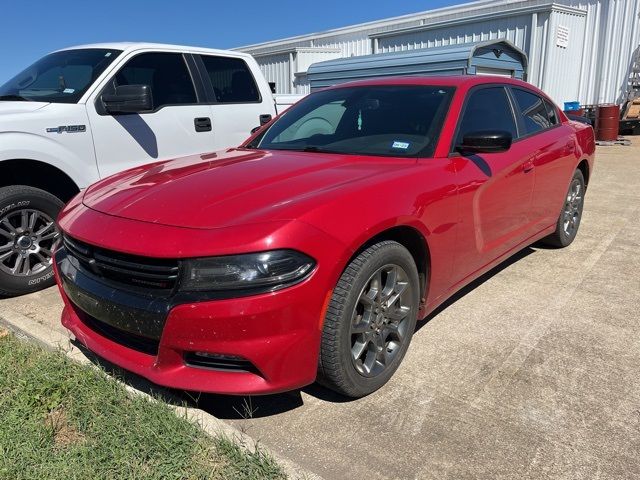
(133, 46)
(466, 81)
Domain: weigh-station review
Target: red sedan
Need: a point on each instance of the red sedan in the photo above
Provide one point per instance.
(311, 251)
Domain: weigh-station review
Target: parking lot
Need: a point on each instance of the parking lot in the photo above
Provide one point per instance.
(530, 372)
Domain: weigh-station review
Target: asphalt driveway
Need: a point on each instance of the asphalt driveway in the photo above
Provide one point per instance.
(531, 372)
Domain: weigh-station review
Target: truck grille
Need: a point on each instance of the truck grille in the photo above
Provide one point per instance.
(138, 271)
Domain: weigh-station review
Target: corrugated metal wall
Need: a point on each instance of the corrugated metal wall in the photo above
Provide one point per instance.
(515, 29)
(613, 34)
(276, 69)
(592, 69)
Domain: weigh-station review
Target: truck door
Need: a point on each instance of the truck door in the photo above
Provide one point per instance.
(237, 103)
(178, 125)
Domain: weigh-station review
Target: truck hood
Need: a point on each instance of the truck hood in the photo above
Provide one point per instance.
(234, 187)
(7, 108)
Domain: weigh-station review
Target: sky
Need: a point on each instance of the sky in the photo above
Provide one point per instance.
(31, 29)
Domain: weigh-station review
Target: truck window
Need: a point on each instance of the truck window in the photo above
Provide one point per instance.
(231, 80)
(60, 77)
(165, 73)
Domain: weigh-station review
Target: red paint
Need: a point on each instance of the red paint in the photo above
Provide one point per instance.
(320, 204)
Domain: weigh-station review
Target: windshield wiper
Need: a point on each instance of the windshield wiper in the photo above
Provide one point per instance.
(317, 149)
(15, 98)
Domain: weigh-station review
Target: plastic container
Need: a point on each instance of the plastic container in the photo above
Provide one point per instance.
(571, 106)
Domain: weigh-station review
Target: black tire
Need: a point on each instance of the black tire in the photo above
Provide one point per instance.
(38, 205)
(338, 369)
(570, 215)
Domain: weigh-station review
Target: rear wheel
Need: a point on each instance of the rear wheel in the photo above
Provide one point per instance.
(370, 320)
(571, 214)
(27, 234)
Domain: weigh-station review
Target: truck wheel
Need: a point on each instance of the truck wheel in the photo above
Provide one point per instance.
(570, 216)
(370, 320)
(27, 234)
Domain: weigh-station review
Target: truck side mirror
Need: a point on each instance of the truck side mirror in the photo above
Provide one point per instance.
(128, 99)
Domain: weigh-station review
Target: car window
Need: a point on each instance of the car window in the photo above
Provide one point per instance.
(487, 109)
(552, 113)
(323, 120)
(231, 80)
(165, 73)
(385, 120)
(533, 111)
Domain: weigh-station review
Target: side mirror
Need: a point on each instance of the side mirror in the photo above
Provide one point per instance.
(485, 141)
(128, 99)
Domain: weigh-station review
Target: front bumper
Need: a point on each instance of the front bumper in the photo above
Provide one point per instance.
(278, 333)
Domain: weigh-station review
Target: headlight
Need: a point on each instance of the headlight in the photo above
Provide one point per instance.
(276, 269)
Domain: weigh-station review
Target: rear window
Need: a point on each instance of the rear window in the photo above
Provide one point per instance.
(386, 120)
(533, 111)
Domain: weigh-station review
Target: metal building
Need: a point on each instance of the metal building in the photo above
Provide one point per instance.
(577, 49)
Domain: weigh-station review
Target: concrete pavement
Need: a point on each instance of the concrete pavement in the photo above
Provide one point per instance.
(531, 372)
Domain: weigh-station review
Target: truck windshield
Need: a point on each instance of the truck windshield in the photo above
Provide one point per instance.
(60, 77)
(385, 120)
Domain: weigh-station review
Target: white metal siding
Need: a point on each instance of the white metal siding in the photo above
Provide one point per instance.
(514, 29)
(593, 69)
(275, 68)
(612, 35)
(560, 76)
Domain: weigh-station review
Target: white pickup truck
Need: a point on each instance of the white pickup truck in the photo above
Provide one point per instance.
(80, 114)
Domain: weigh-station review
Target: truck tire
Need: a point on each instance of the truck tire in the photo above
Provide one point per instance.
(27, 234)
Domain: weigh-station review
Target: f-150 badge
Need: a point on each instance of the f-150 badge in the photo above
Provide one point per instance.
(68, 129)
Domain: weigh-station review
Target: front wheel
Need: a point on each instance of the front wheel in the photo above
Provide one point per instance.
(27, 234)
(370, 320)
(571, 214)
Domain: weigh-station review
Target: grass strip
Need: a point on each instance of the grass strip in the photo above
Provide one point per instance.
(61, 420)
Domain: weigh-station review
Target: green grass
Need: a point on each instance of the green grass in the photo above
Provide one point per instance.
(61, 420)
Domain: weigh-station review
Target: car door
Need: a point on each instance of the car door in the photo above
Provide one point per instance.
(555, 153)
(495, 189)
(178, 125)
(237, 105)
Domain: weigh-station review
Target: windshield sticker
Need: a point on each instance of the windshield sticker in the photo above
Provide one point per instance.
(401, 145)
(69, 90)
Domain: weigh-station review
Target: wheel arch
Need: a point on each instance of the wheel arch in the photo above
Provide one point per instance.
(38, 174)
(413, 240)
(583, 166)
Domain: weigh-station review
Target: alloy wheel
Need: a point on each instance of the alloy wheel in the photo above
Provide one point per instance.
(380, 320)
(26, 242)
(572, 208)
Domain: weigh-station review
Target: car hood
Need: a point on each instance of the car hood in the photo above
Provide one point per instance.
(234, 187)
(10, 107)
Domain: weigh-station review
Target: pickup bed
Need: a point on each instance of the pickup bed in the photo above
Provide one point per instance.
(83, 113)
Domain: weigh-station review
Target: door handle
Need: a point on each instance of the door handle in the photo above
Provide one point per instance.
(202, 124)
(265, 118)
(528, 166)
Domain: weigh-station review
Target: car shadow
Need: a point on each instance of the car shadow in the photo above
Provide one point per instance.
(229, 407)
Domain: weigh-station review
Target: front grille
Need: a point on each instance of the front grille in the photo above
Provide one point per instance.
(138, 271)
(126, 339)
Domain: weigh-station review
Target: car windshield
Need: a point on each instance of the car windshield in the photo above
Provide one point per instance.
(60, 77)
(385, 120)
